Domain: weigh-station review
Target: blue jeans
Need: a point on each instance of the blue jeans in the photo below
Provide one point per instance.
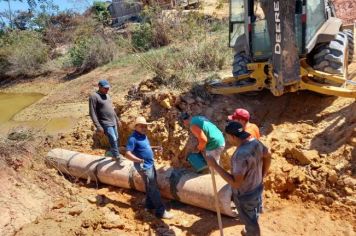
(153, 196)
(249, 205)
(113, 136)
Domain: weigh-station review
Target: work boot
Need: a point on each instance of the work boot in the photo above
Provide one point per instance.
(167, 215)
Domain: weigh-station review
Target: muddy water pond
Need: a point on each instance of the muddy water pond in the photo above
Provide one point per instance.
(12, 103)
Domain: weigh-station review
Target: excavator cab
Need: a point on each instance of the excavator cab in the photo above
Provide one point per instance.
(287, 47)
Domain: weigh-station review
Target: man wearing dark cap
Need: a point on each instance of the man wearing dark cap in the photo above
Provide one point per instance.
(243, 116)
(102, 113)
(249, 165)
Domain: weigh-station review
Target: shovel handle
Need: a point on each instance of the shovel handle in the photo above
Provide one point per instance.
(212, 172)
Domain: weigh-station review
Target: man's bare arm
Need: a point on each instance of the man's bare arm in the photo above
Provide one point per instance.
(234, 180)
(129, 155)
(266, 163)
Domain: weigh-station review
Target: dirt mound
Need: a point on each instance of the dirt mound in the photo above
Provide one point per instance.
(24, 181)
(312, 143)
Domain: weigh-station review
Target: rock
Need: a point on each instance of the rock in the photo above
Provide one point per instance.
(59, 204)
(323, 155)
(297, 175)
(350, 182)
(314, 188)
(333, 177)
(329, 200)
(268, 194)
(293, 137)
(340, 166)
(287, 168)
(92, 199)
(303, 157)
(320, 198)
(144, 88)
(314, 173)
(334, 195)
(349, 191)
(340, 183)
(166, 103)
(112, 221)
(350, 200)
(315, 165)
(75, 211)
(311, 196)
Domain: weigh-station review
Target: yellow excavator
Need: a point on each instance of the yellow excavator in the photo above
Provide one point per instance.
(286, 46)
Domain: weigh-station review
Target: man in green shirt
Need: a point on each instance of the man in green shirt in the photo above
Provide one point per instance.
(210, 138)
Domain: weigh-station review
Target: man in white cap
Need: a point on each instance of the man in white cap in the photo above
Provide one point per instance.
(139, 150)
(104, 117)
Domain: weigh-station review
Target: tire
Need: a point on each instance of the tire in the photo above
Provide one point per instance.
(330, 57)
(351, 44)
(239, 65)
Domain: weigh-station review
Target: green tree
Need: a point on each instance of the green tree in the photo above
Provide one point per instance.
(101, 12)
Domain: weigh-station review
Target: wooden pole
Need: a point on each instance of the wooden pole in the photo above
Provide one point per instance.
(212, 172)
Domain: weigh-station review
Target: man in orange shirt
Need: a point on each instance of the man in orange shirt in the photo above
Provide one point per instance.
(243, 116)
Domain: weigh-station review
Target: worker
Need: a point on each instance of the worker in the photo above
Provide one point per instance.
(243, 116)
(104, 117)
(249, 165)
(211, 141)
(139, 150)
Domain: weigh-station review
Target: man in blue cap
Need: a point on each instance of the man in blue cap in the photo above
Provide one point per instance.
(104, 117)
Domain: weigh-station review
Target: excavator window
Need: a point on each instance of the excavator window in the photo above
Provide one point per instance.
(315, 17)
(237, 21)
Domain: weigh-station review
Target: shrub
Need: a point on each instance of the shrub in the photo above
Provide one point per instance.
(24, 52)
(89, 53)
(142, 37)
(178, 67)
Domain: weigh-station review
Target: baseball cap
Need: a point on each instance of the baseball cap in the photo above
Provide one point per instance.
(240, 113)
(236, 129)
(104, 83)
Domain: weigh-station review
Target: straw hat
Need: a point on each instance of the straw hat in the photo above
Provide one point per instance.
(141, 120)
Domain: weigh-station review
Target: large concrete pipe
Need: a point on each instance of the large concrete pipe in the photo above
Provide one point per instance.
(180, 184)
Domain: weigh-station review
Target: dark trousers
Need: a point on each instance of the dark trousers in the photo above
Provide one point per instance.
(249, 205)
(153, 196)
